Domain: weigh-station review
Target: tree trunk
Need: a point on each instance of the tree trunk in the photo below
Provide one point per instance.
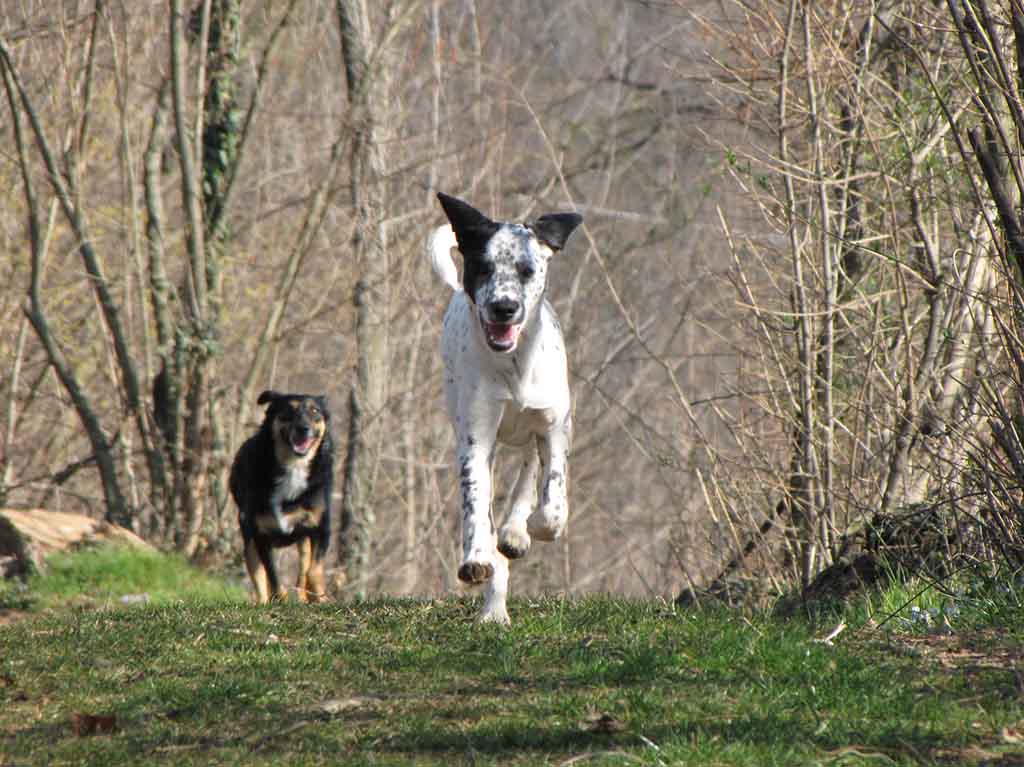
(206, 174)
(367, 94)
(221, 144)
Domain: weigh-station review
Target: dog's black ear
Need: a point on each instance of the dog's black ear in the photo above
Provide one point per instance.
(554, 229)
(472, 228)
(267, 396)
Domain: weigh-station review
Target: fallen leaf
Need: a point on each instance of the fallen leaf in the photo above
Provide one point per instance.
(338, 705)
(262, 739)
(83, 725)
(604, 724)
(969, 755)
(1011, 734)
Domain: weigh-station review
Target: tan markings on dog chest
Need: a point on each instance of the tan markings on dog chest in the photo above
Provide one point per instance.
(301, 517)
(288, 487)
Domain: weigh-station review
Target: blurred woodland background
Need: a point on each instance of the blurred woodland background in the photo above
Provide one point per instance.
(793, 312)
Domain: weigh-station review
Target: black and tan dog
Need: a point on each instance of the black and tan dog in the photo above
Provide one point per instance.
(281, 481)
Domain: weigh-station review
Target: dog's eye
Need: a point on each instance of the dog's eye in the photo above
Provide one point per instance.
(485, 270)
(526, 271)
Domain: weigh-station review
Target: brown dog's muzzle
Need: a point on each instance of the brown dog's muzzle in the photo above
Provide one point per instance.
(303, 438)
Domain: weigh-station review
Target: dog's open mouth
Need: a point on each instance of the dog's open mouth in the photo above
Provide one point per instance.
(500, 336)
(302, 443)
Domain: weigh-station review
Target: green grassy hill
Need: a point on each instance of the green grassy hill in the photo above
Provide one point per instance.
(598, 681)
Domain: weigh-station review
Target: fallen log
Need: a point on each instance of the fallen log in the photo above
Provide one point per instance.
(27, 536)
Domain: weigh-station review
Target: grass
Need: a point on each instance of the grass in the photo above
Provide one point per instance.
(101, 576)
(594, 681)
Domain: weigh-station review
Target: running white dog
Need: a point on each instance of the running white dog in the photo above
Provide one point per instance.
(506, 380)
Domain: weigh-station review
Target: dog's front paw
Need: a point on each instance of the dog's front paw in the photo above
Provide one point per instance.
(475, 573)
(547, 524)
(314, 597)
(284, 524)
(494, 614)
(513, 542)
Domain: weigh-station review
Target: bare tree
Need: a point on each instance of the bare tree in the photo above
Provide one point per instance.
(365, 63)
(872, 300)
(64, 181)
(176, 443)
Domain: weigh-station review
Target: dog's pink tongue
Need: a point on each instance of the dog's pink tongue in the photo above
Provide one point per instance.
(302, 445)
(503, 333)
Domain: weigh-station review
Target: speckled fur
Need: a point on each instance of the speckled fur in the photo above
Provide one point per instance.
(508, 386)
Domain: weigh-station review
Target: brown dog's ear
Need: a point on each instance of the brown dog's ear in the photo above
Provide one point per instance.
(267, 396)
(554, 229)
(472, 228)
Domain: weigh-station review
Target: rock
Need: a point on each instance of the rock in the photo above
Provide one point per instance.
(923, 539)
(27, 536)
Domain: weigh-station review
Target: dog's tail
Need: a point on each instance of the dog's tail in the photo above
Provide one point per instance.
(440, 250)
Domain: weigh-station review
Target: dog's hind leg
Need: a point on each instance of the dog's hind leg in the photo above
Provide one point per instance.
(254, 563)
(494, 608)
(265, 555)
(513, 538)
(311, 586)
(305, 546)
(316, 585)
(278, 592)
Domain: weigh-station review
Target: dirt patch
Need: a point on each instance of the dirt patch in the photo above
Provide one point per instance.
(7, 617)
(974, 650)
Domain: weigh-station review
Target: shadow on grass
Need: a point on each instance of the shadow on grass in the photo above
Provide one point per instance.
(760, 734)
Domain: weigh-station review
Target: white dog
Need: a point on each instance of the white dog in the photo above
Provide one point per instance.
(506, 380)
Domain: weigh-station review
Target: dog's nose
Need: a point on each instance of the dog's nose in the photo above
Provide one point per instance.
(504, 309)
